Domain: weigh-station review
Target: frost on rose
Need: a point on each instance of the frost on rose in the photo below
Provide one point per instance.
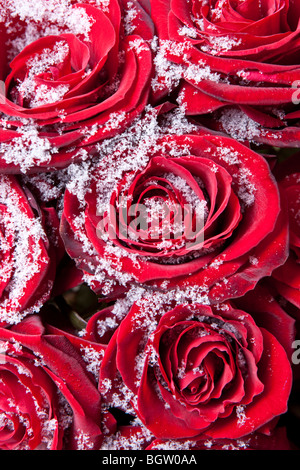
(233, 65)
(149, 255)
(43, 405)
(242, 234)
(29, 252)
(73, 74)
(188, 369)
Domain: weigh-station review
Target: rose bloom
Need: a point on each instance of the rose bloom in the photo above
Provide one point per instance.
(49, 397)
(235, 59)
(193, 209)
(73, 73)
(189, 369)
(30, 251)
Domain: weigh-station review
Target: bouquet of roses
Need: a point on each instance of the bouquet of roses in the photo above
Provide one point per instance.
(149, 224)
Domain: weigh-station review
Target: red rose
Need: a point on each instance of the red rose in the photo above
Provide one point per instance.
(189, 369)
(30, 250)
(287, 277)
(74, 73)
(192, 209)
(49, 398)
(236, 59)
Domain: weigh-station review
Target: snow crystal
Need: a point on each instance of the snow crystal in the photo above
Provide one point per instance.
(27, 150)
(229, 155)
(48, 430)
(78, 180)
(6, 422)
(80, 235)
(186, 191)
(45, 95)
(253, 260)
(130, 15)
(175, 445)
(239, 126)
(199, 22)
(22, 370)
(106, 325)
(241, 415)
(43, 18)
(123, 399)
(103, 4)
(216, 263)
(156, 303)
(168, 73)
(106, 385)
(121, 306)
(148, 356)
(114, 120)
(135, 442)
(220, 44)
(216, 11)
(93, 358)
(247, 189)
(239, 444)
(84, 441)
(198, 72)
(65, 411)
(138, 45)
(188, 31)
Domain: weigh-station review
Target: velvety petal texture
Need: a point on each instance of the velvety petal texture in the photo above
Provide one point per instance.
(236, 60)
(83, 77)
(195, 209)
(287, 276)
(44, 405)
(192, 369)
(149, 226)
